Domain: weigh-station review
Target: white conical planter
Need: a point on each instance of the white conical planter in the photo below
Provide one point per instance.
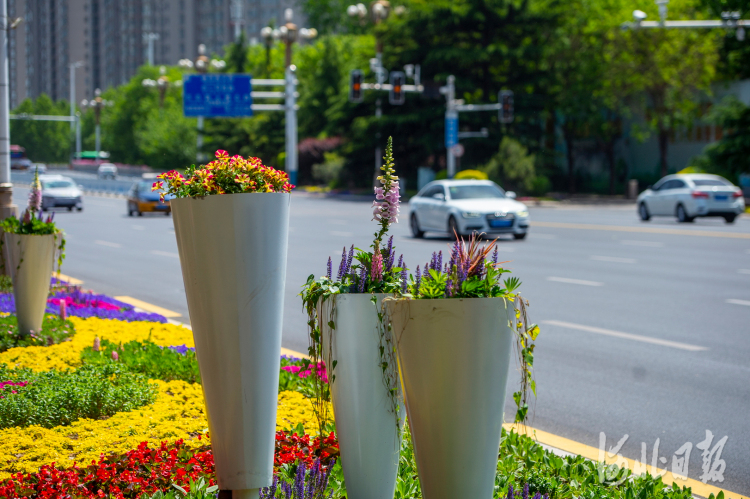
(233, 251)
(365, 424)
(29, 261)
(454, 356)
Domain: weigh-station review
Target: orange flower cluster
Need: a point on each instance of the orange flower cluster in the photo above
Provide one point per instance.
(224, 175)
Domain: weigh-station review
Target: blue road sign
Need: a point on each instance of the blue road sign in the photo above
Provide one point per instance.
(451, 131)
(218, 95)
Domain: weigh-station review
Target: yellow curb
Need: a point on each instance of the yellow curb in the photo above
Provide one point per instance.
(67, 278)
(292, 353)
(147, 306)
(592, 453)
(649, 230)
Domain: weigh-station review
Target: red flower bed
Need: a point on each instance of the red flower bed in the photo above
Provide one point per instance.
(290, 447)
(147, 470)
(121, 476)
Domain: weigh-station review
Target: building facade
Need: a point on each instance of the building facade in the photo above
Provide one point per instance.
(109, 38)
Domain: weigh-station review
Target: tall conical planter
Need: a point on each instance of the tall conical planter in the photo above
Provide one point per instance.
(29, 261)
(365, 423)
(233, 251)
(454, 356)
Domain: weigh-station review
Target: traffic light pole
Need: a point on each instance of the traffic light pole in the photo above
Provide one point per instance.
(454, 106)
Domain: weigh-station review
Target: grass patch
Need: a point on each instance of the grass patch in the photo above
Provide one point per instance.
(56, 398)
(54, 330)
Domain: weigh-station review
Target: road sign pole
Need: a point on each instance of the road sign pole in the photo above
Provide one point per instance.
(291, 125)
(451, 124)
(78, 135)
(199, 142)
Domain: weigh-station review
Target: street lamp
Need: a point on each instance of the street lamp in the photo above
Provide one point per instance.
(288, 33)
(97, 104)
(162, 84)
(201, 64)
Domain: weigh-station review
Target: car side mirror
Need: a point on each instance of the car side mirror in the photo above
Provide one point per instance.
(511, 194)
(439, 196)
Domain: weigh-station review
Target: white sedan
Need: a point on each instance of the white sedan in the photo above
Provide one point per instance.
(691, 195)
(466, 206)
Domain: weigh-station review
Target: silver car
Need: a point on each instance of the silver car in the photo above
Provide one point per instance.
(691, 195)
(466, 206)
(60, 191)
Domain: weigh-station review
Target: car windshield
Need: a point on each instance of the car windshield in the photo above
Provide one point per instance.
(57, 184)
(146, 186)
(475, 192)
(711, 182)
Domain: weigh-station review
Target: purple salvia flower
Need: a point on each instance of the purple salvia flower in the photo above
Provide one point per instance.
(449, 288)
(389, 255)
(433, 261)
(342, 265)
(329, 270)
(537, 496)
(299, 482)
(362, 279)
(494, 256)
(403, 279)
(439, 260)
(400, 262)
(417, 281)
(546, 496)
(480, 269)
(348, 267)
(526, 491)
(510, 492)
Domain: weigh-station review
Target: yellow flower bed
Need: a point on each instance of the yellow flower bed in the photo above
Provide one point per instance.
(177, 413)
(68, 354)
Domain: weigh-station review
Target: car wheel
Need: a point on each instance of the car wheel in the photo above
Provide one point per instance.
(414, 224)
(682, 215)
(519, 236)
(730, 218)
(453, 231)
(80, 208)
(166, 213)
(70, 208)
(643, 212)
(44, 208)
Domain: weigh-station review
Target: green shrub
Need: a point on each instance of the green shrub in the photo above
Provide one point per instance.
(56, 398)
(54, 330)
(471, 175)
(147, 358)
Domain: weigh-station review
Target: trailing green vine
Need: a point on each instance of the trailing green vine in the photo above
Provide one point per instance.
(366, 272)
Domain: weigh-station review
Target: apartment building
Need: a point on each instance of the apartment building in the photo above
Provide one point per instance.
(107, 36)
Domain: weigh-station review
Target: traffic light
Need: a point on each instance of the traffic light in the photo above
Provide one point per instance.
(397, 95)
(505, 98)
(355, 86)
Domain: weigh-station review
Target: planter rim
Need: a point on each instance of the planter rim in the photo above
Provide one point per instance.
(434, 301)
(223, 195)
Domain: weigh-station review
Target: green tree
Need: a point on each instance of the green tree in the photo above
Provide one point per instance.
(669, 70)
(44, 141)
(728, 156)
(512, 166)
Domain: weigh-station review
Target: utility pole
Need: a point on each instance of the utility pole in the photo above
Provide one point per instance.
(150, 38)
(73, 66)
(237, 18)
(290, 91)
(7, 208)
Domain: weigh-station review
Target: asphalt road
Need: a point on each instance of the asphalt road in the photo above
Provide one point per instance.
(644, 325)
